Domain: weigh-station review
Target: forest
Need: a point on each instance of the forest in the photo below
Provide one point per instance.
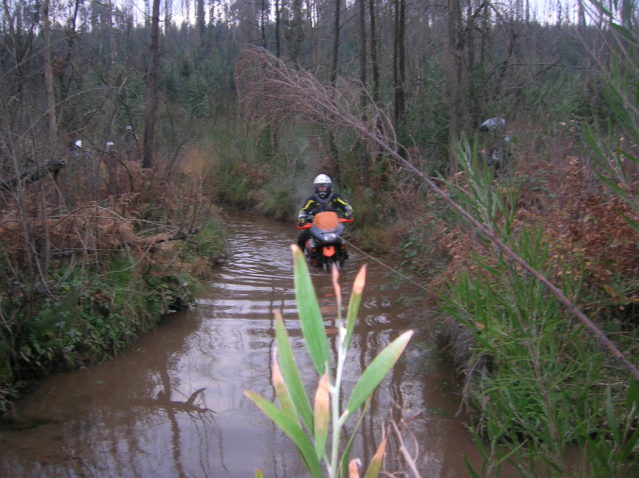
(124, 127)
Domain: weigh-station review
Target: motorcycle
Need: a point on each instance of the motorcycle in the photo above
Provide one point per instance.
(326, 245)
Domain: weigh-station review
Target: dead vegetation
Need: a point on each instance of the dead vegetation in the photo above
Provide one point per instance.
(94, 256)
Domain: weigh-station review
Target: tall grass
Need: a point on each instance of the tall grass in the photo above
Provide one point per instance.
(318, 431)
(550, 400)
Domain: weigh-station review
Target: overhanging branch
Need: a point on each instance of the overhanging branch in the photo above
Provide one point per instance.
(271, 92)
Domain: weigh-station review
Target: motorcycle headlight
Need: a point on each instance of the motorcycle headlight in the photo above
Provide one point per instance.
(330, 237)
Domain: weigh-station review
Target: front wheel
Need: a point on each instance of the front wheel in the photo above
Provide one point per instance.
(329, 261)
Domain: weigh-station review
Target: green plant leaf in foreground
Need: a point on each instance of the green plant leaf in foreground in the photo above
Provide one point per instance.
(353, 305)
(292, 429)
(291, 374)
(310, 314)
(377, 370)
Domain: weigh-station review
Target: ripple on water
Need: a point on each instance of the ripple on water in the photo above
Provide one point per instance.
(174, 404)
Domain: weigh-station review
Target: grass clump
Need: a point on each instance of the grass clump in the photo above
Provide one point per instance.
(548, 398)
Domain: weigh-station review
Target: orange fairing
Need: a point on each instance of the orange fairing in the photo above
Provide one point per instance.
(326, 220)
(329, 251)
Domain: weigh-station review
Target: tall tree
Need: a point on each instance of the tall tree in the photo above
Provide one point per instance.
(199, 17)
(48, 80)
(374, 64)
(333, 81)
(278, 12)
(362, 79)
(264, 14)
(399, 59)
(152, 87)
(454, 65)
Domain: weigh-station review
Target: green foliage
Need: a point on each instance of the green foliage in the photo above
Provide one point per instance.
(89, 313)
(539, 382)
(209, 243)
(294, 403)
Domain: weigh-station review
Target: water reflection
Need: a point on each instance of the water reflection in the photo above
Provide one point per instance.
(173, 405)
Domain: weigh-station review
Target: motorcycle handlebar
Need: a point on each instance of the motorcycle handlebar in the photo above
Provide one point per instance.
(309, 222)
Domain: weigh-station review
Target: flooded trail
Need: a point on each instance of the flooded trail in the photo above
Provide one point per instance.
(173, 406)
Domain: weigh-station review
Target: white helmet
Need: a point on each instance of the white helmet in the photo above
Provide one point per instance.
(322, 180)
(78, 143)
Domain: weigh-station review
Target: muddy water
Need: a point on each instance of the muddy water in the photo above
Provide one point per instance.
(173, 404)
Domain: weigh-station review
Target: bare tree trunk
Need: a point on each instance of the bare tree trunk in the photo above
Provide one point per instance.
(152, 88)
(399, 60)
(278, 52)
(470, 41)
(48, 83)
(374, 64)
(333, 80)
(395, 57)
(453, 55)
(263, 20)
(200, 22)
(111, 36)
(362, 78)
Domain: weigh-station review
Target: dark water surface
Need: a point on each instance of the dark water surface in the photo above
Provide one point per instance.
(173, 404)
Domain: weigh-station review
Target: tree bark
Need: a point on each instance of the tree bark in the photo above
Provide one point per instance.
(453, 55)
(374, 65)
(333, 80)
(263, 20)
(470, 41)
(48, 80)
(362, 78)
(200, 22)
(399, 60)
(152, 87)
(278, 52)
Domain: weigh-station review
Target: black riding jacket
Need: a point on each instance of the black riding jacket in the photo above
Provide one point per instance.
(315, 204)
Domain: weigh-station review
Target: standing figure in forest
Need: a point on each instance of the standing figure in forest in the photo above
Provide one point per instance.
(130, 144)
(111, 162)
(83, 161)
(498, 150)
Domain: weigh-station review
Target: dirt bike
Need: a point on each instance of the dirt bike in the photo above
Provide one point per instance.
(326, 245)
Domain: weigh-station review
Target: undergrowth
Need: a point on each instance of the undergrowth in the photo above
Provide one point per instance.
(547, 397)
(88, 270)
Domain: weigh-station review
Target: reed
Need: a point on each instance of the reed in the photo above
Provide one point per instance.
(310, 427)
(551, 400)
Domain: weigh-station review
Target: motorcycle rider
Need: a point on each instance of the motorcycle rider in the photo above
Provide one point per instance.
(324, 199)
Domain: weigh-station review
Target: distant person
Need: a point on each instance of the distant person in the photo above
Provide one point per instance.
(130, 144)
(324, 199)
(498, 150)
